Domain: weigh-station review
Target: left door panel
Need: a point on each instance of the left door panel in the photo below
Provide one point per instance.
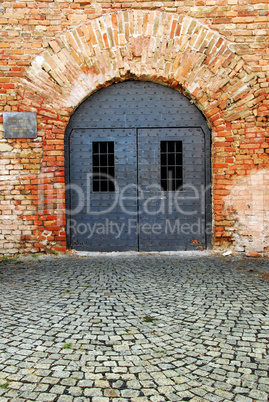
(103, 209)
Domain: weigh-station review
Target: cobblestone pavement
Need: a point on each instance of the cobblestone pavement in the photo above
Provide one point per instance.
(139, 328)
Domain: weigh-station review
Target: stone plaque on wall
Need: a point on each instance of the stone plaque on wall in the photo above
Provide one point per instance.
(20, 125)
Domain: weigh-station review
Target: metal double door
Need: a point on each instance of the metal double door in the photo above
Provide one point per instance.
(140, 209)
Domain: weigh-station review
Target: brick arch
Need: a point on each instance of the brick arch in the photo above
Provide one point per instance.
(172, 49)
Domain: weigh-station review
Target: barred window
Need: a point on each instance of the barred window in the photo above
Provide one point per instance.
(171, 165)
(103, 166)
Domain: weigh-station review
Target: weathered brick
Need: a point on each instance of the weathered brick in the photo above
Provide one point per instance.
(222, 67)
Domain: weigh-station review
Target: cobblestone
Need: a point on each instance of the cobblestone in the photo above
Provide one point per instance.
(139, 328)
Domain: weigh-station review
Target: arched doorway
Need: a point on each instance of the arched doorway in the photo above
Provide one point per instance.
(138, 171)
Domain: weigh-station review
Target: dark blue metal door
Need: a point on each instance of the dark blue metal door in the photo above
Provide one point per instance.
(100, 215)
(171, 178)
(138, 171)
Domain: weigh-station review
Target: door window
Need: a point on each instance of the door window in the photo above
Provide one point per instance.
(103, 166)
(171, 165)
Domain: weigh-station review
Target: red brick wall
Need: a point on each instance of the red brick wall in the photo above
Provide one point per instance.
(55, 54)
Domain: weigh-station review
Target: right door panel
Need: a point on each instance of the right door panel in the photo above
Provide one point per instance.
(171, 183)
